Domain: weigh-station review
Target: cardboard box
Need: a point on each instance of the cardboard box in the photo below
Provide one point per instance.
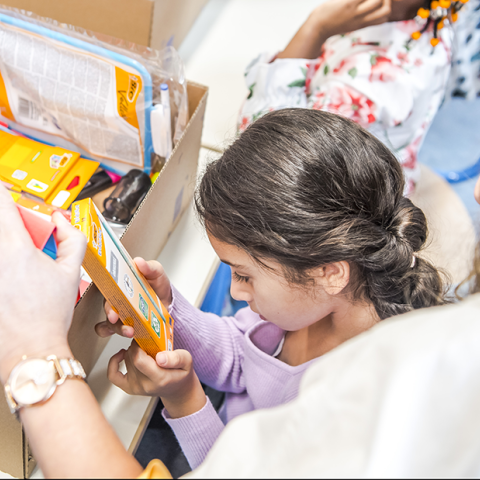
(145, 236)
(153, 23)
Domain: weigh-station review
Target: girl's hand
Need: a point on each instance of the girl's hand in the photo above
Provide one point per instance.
(155, 274)
(334, 17)
(170, 376)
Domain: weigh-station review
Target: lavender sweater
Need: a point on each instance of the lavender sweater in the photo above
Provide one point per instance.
(232, 355)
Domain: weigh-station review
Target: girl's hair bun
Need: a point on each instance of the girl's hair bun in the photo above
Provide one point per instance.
(409, 224)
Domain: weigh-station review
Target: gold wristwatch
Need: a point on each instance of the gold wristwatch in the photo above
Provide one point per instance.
(34, 380)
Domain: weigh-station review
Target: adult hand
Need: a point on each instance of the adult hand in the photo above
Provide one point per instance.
(170, 376)
(156, 276)
(37, 294)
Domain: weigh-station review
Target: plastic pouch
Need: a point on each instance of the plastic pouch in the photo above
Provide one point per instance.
(64, 85)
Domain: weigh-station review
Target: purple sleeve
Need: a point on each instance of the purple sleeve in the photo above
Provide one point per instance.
(216, 343)
(196, 433)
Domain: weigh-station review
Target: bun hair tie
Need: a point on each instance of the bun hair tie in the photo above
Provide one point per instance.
(436, 14)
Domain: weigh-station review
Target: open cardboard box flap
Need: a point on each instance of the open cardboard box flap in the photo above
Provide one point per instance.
(153, 23)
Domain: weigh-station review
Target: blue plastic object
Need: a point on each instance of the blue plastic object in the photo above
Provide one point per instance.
(218, 291)
(457, 176)
(51, 248)
(104, 52)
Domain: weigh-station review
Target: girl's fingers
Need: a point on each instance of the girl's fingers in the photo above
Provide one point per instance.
(106, 329)
(112, 315)
(155, 274)
(115, 375)
(142, 362)
(151, 270)
(180, 359)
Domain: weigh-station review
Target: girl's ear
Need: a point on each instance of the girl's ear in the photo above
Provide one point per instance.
(334, 277)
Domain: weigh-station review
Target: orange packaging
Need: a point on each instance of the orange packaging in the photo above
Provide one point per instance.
(121, 283)
(53, 174)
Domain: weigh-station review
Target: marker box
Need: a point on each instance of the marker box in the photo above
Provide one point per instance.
(121, 283)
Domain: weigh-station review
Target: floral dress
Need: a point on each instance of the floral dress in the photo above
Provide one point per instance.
(377, 76)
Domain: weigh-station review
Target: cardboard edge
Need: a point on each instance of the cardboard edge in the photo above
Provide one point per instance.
(142, 427)
(202, 100)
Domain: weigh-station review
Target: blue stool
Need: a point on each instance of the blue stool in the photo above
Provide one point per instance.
(218, 291)
(457, 176)
(218, 298)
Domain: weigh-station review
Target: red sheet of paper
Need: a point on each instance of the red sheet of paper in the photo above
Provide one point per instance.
(40, 229)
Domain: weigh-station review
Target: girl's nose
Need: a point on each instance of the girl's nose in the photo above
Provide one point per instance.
(240, 292)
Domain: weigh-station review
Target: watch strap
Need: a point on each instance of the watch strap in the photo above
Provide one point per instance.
(67, 368)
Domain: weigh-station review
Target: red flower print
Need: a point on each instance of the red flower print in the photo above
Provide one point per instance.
(244, 124)
(383, 70)
(411, 152)
(346, 101)
(403, 57)
(325, 55)
(345, 65)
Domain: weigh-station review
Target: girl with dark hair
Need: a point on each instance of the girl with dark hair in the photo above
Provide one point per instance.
(307, 209)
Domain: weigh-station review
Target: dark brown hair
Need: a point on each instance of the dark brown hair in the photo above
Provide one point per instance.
(306, 188)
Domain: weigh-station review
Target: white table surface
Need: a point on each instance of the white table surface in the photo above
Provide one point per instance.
(190, 263)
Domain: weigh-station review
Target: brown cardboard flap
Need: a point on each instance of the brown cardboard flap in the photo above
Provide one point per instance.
(11, 442)
(126, 19)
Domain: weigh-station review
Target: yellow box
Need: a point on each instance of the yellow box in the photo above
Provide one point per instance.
(115, 274)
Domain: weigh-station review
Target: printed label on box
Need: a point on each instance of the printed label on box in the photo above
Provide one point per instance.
(142, 305)
(156, 325)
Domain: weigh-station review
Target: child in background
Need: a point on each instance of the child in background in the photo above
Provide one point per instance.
(308, 210)
(376, 75)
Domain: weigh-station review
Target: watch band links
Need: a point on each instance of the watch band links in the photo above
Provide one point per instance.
(68, 368)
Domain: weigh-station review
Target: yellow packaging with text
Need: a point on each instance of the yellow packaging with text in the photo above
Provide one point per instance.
(115, 274)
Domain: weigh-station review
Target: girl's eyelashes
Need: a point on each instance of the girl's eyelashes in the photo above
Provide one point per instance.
(239, 278)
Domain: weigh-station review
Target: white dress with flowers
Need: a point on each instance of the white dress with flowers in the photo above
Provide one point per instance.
(375, 76)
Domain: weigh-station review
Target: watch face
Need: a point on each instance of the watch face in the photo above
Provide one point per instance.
(33, 381)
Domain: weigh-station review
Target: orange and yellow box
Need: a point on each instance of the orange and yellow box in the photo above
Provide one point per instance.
(114, 272)
(53, 174)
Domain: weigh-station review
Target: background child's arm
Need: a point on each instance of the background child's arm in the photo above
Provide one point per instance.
(332, 18)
